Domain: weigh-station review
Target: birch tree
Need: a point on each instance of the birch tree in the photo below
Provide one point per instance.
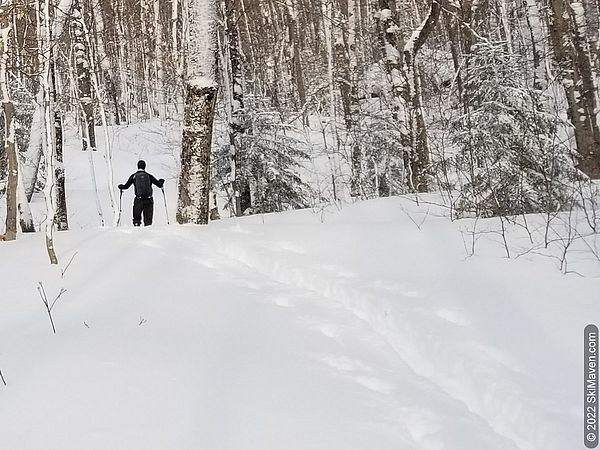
(44, 28)
(8, 109)
(346, 46)
(233, 94)
(571, 50)
(200, 97)
(84, 81)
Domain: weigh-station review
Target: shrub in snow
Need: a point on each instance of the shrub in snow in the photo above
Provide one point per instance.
(511, 159)
(270, 157)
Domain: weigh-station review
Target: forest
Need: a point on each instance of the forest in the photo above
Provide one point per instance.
(491, 104)
(368, 224)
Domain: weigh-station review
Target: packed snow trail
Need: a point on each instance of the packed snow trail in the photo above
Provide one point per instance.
(164, 342)
(252, 335)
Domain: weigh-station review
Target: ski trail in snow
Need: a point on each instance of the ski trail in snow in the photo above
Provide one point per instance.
(502, 407)
(255, 269)
(194, 339)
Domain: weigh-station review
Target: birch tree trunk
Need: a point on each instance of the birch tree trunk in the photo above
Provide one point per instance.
(201, 88)
(345, 53)
(49, 147)
(234, 102)
(569, 48)
(291, 17)
(62, 221)
(25, 217)
(419, 143)
(8, 108)
(406, 90)
(84, 83)
(61, 217)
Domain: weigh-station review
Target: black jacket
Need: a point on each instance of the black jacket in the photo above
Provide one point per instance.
(158, 183)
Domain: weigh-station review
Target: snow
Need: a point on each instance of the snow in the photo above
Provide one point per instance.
(385, 14)
(201, 82)
(346, 327)
(579, 12)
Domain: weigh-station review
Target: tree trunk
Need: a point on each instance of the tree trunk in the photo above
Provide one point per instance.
(234, 102)
(345, 53)
(8, 108)
(84, 83)
(194, 180)
(61, 196)
(193, 204)
(574, 66)
(406, 90)
(296, 69)
(25, 217)
(49, 147)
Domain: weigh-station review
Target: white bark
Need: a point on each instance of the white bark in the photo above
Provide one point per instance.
(202, 43)
(33, 155)
(25, 217)
(49, 188)
(201, 92)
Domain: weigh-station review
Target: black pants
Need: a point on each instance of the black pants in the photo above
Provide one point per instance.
(143, 206)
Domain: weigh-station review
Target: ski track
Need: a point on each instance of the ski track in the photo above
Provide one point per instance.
(392, 405)
(375, 343)
(503, 409)
(292, 280)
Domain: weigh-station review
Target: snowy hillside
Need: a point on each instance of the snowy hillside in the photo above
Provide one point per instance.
(355, 327)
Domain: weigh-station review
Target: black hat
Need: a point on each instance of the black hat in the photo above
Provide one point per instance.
(141, 164)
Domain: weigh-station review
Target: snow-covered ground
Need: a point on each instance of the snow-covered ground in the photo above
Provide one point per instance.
(351, 327)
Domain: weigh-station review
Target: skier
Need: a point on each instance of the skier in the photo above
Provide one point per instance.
(143, 204)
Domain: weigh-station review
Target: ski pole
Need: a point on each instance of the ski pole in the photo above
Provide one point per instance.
(120, 208)
(166, 209)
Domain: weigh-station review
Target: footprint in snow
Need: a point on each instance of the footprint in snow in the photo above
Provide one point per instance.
(353, 367)
(209, 264)
(336, 270)
(398, 288)
(287, 246)
(374, 384)
(453, 316)
(284, 302)
(150, 243)
(344, 364)
(329, 330)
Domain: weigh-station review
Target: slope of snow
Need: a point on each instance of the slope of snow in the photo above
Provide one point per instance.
(348, 327)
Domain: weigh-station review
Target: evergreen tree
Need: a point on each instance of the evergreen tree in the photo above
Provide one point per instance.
(270, 157)
(511, 159)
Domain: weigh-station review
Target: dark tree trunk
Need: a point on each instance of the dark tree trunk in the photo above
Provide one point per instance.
(84, 82)
(574, 67)
(13, 172)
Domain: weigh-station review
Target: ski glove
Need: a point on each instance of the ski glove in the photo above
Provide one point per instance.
(161, 183)
(121, 187)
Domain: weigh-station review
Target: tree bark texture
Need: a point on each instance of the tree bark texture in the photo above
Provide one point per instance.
(194, 179)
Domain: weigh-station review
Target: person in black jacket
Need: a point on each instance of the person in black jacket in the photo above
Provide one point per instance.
(143, 204)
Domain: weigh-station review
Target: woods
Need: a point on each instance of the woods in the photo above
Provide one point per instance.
(495, 104)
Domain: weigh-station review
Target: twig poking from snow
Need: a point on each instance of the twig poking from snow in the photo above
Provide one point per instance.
(63, 271)
(2, 378)
(417, 224)
(47, 304)
(142, 321)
